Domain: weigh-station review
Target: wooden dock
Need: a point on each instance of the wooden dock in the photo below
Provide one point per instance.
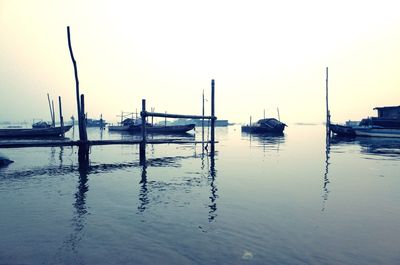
(57, 143)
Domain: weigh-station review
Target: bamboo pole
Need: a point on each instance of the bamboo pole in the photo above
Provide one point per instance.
(279, 116)
(51, 111)
(202, 120)
(83, 120)
(78, 104)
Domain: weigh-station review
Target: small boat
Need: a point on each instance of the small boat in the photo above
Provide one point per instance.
(269, 125)
(163, 129)
(34, 132)
(387, 124)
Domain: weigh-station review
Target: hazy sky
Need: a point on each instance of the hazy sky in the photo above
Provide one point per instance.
(262, 55)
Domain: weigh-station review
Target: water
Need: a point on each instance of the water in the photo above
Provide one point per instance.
(259, 200)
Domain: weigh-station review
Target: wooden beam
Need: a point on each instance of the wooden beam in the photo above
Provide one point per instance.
(177, 116)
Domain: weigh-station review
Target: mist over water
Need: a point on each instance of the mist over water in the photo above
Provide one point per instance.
(291, 199)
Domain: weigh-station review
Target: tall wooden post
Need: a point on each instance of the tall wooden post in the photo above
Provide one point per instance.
(78, 104)
(279, 116)
(213, 118)
(328, 114)
(53, 114)
(202, 121)
(142, 151)
(82, 120)
(61, 116)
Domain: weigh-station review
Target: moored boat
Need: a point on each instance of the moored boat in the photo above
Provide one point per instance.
(387, 124)
(269, 125)
(34, 132)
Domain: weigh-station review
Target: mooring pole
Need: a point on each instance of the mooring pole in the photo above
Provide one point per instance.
(61, 116)
(76, 82)
(53, 114)
(250, 122)
(328, 114)
(82, 120)
(279, 116)
(202, 121)
(142, 152)
(213, 118)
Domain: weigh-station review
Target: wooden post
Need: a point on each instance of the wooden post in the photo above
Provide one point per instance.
(61, 116)
(142, 151)
(264, 113)
(51, 111)
(53, 114)
(165, 120)
(328, 114)
(202, 121)
(82, 120)
(213, 118)
(78, 104)
(250, 122)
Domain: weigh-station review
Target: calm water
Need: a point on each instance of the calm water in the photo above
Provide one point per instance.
(259, 200)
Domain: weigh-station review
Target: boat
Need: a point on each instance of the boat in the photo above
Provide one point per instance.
(34, 132)
(163, 129)
(268, 125)
(95, 123)
(387, 124)
(124, 125)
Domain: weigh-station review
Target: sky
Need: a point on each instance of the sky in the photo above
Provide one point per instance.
(261, 54)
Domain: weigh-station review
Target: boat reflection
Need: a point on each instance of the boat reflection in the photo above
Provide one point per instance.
(268, 142)
(388, 148)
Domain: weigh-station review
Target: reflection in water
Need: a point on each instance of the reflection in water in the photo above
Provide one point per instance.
(326, 179)
(266, 141)
(382, 147)
(143, 193)
(212, 175)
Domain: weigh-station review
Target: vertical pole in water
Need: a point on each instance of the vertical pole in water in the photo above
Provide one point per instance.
(83, 120)
(142, 151)
(212, 115)
(61, 116)
(264, 113)
(328, 114)
(152, 117)
(101, 121)
(165, 120)
(76, 81)
(250, 122)
(53, 115)
(202, 121)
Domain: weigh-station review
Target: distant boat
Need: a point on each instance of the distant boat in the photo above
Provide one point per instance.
(34, 132)
(95, 123)
(163, 129)
(387, 124)
(124, 125)
(269, 125)
(199, 122)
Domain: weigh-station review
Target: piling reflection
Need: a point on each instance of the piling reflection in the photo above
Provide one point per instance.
(212, 214)
(326, 176)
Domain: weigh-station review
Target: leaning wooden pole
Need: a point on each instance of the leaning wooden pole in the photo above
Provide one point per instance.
(328, 114)
(213, 118)
(61, 116)
(78, 104)
(53, 114)
(51, 111)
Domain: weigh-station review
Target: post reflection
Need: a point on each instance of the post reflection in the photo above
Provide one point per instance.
(143, 193)
(212, 214)
(326, 178)
(78, 219)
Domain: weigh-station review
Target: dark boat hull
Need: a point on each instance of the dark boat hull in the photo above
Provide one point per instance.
(263, 130)
(341, 130)
(169, 129)
(34, 132)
